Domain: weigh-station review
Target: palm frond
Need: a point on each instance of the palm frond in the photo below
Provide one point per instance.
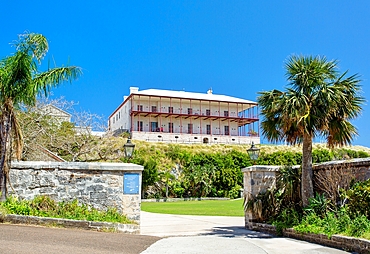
(44, 81)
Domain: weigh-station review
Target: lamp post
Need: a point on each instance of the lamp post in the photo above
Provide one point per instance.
(253, 153)
(128, 149)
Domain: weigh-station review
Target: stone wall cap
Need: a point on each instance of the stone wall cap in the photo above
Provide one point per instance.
(353, 162)
(104, 166)
(261, 168)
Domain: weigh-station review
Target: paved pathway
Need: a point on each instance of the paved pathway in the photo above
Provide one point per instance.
(216, 234)
(161, 233)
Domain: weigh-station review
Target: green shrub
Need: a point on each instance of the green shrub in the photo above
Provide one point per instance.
(318, 205)
(358, 197)
(322, 155)
(15, 206)
(288, 218)
(263, 206)
(311, 223)
(280, 158)
(334, 223)
(235, 192)
(178, 190)
(358, 226)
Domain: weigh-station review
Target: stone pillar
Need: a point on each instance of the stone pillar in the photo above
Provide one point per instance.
(256, 179)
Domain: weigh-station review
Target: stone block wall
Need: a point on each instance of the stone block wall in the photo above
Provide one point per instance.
(259, 177)
(358, 168)
(100, 185)
(352, 244)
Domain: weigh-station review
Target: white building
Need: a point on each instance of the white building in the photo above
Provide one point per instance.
(55, 113)
(186, 117)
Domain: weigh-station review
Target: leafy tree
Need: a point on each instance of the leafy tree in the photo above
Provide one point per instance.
(73, 141)
(20, 83)
(319, 101)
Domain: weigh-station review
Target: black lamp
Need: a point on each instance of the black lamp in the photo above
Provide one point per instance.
(129, 148)
(253, 152)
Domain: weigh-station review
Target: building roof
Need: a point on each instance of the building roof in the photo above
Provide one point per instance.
(54, 111)
(192, 95)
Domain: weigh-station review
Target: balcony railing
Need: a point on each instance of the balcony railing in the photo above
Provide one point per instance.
(233, 117)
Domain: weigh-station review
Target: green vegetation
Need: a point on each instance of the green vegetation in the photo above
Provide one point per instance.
(175, 170)
(346, 214)
(204, 207)
(44, 206)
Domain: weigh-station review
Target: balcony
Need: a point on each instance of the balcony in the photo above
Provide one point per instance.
(206, 115)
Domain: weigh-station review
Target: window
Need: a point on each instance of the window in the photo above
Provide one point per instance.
(226, 113)
(208, 112)
(139, 107)
(154, 127)
(170, 127)
(170, 110)
(140, 125)
(190, 111)
(208, 129)
(190, 128)
(227, 132)
(154, 108)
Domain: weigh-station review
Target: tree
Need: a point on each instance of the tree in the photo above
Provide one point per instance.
(20, 84)
(318, 101)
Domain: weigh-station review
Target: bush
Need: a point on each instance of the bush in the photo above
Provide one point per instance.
(235, 192)
(280, 158)
(322, 155)
(358, 226)
(288, 218)
(358, 197)
(318, 205)
(334, 223)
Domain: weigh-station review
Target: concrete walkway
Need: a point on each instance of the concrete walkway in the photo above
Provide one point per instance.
(216, 234)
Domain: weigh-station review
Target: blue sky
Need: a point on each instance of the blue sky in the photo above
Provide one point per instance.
(238, 48)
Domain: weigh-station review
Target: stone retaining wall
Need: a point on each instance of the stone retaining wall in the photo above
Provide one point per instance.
(88, 225)
(352, 244)
(100, 185)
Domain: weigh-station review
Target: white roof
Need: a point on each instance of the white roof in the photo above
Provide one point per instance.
(192, 95)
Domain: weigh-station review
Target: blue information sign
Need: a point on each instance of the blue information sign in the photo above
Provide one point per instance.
(131, 183)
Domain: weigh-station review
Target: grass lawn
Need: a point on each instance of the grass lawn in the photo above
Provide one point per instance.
(232, 207)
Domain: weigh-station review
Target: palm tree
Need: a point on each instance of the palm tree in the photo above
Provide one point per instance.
(20, 84)
(318, 102)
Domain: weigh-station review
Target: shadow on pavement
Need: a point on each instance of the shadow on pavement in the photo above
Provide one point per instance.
(235, 232)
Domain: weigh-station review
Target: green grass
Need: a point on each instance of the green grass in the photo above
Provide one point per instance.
(232, 207)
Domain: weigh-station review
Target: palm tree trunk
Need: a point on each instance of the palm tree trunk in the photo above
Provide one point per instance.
(306, 181)
(5, 127)
(2, 161)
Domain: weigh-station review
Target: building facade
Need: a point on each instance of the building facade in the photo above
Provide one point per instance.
(186, 117)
